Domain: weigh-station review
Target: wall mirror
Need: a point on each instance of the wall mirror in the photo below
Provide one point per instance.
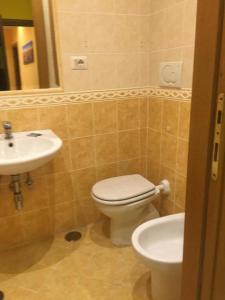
(28, 58)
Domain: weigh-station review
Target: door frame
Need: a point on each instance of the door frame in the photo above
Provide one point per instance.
(204, 196)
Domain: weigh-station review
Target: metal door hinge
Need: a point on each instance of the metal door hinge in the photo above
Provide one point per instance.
(217, 135)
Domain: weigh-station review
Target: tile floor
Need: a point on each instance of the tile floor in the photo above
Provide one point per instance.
(91, 269)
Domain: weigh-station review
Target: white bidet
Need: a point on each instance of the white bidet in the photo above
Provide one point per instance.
(159, 243)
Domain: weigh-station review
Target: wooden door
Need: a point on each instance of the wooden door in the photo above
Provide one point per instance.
(4, 78)
(39, 24)
(204, 256)
(16, 66)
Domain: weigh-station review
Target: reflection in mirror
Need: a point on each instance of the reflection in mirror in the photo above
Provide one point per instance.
(27, 45)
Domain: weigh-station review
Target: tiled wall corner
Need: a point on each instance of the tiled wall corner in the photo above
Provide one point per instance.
(172, 38)
(168, 135)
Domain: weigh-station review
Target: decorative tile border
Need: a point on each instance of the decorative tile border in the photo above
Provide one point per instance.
(33, 100)
(184, 94)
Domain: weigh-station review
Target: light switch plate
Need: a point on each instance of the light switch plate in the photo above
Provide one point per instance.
(171, 74)
(79, 62)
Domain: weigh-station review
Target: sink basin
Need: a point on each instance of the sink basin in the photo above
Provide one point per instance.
(27, 151)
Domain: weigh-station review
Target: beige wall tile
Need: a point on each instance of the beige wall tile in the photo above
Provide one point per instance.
(60, 187)
(143, 67)
(168, 151)
(33, 198)
(155, 114)
(24, 119)
(126, 70)
(69, 23)
(54, 118)
(170, 117)
(106, 171)
(180, 191)
(78, 80)
(3, 117)
(90, 212)
(144, 33)
(144, 7)
(102, 75)
(188, 65)
(172, 54)
(105, 120)
(129, 167)
(71, 5)
(182, 157)
(7, 204)
(99, 26)
(37, 224)
(144, 141)
(157, 21)
(153, 171)
(106, 148)
(83, 181)
(128, 114)
(155, 58)
(144, 161)
(11, 232)
(126, 6)
(174, 25)
(156, 5)
(4, 180)
(82, 153)
(143, 112)
(126, 33)
(190, 11)
(80, 119)
(64, 217)
(129, 144)
(97, 6)
(60, 163)
(154, 145)
(178, 209)
(184, 122)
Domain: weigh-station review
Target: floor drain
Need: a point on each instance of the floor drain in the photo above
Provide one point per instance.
(71, 237)
(1, 295)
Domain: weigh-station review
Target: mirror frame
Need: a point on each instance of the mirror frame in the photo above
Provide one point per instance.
(58, 51)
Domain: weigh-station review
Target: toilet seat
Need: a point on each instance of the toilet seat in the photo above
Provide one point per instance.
(126, 202)
(123, 190)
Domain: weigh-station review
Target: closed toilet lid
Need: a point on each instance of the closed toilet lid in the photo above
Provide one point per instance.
(122, 187)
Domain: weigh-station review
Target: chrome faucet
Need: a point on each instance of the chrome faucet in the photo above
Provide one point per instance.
(8, 130)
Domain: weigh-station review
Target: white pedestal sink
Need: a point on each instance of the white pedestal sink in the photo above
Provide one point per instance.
(27, 151)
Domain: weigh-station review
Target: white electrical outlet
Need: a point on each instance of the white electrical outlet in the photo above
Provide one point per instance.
(79, 62)
(171, 74)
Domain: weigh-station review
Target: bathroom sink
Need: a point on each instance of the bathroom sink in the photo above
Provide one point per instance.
(27, 151)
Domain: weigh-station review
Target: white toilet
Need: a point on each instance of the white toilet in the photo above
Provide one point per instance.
(126, 200)
(159, 243)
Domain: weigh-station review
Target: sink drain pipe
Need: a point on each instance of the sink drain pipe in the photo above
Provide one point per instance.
(16, 187)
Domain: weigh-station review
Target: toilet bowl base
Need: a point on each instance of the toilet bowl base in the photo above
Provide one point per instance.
(121, 229)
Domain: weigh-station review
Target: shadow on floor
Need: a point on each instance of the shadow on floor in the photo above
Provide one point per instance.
(100, 234)
(139, 292)
(37, 255)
